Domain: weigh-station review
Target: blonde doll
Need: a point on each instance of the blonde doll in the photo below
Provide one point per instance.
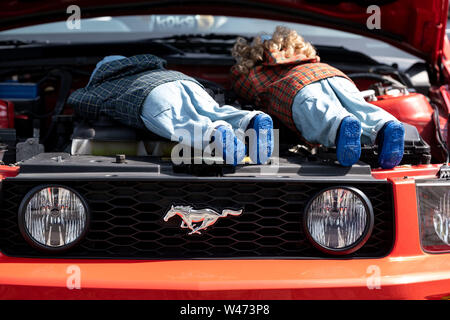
(283, 76)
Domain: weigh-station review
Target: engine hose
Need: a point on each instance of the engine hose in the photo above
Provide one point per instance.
(439, 133)
(376, 77)
(64, 90)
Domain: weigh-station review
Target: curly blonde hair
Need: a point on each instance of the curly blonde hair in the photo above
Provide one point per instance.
(284, 40)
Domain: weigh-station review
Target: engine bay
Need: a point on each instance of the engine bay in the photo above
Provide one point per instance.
(35, 119)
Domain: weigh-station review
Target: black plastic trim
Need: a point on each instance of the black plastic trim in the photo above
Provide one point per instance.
(385, 252)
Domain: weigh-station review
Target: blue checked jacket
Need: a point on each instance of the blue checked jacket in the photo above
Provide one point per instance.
(118, 88)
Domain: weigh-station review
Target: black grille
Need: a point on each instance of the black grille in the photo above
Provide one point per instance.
(126, 219)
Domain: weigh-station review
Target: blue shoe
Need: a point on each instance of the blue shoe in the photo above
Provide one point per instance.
(348, 142)
(261, 151)
(391, 144)
(233, 148)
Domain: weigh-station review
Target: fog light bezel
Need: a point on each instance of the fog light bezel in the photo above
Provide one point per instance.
(361, 241)
(24, 230)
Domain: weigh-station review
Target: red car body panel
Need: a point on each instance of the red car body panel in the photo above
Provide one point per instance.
(414, 25)
(406, 273)
(6, 114)
(415, 110)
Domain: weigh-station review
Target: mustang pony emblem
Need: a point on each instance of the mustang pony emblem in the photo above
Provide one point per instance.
(192, 217)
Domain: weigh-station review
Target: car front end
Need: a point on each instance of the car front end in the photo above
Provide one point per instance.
(96, 211)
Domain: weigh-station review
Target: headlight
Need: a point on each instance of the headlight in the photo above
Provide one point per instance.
(339, 220)
(53, 218)
(434, 215)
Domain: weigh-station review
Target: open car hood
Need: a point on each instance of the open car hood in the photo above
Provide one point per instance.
(416, 26)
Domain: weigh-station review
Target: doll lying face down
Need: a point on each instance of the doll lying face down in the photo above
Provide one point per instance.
(139, 92)
(283, 76)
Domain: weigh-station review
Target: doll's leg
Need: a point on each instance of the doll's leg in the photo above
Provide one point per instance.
(318, 113)
(379, 126)
(321, 118)
(233, 149)
(208, 107)
(260, 149)
(170, 112)
(243, 121)
(372, 117)
(261, 128)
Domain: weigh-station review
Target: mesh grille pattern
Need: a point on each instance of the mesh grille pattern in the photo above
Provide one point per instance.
(126, 219)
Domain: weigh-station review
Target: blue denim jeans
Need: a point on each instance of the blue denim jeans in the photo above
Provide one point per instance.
(183, 105)
(319, 108)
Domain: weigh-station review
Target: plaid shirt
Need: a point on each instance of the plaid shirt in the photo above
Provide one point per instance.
(273, 85)
(118, 88)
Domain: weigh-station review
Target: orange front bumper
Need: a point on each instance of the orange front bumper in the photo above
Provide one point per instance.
(417, 277)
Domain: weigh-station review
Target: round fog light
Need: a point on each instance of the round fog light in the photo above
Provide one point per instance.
(339, 220)
(53, 218)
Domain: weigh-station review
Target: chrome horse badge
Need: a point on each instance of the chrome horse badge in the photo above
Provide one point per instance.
(197, 220)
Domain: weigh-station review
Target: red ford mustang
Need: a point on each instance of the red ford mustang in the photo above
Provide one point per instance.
(91, 209)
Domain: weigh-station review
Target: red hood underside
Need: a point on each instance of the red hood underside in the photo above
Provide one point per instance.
(416, 26)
